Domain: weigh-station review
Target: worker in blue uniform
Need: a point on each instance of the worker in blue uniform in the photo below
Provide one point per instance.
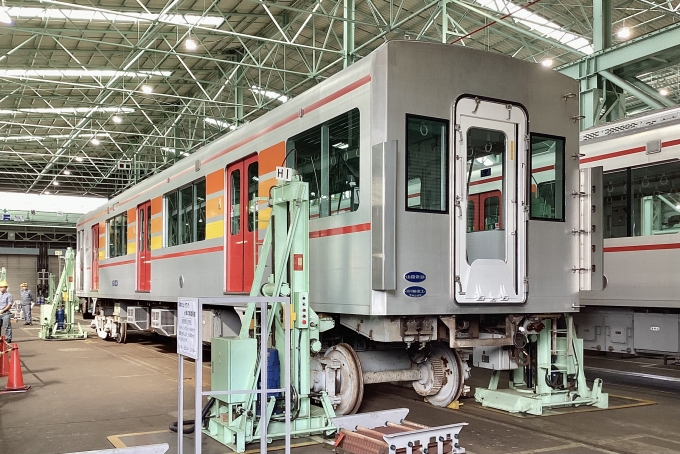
(5, 314)
(26, 303)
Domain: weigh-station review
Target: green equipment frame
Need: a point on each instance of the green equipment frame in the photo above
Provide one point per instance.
(63, 296)
(237, 419)
(559, 376)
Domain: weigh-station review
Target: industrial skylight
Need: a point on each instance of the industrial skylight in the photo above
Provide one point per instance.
(107, 16)
(51, 136)
(268, 93)
(540, 24)
(66, 110)
(79, 73)
(219, 123)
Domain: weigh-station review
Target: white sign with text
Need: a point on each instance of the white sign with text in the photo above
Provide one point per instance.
(187, 327)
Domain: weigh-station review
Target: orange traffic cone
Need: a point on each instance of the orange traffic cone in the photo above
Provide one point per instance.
(15, 381)
(4, 358)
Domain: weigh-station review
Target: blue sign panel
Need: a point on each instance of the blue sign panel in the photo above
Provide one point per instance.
(6, 217)
(414, 291)
(414, 276)
(114, 283)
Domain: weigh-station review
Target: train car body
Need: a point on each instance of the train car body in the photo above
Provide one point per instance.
(639, 307)
(441, 182)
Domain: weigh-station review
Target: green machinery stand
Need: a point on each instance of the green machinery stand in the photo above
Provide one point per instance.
(236, 365)
(558, 374)
(63, 297)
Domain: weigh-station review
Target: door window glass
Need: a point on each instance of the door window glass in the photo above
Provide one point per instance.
(172, 205)
(426, 164)
(186, 219)
(199, 203)
(235, 202)
(486, 154)
(148, 228)
(547, 178)
(142, 228)
(616, 204)
(253, 182)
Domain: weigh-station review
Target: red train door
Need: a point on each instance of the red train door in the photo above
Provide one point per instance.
(144, 247)
(94, 285)
(241, 186)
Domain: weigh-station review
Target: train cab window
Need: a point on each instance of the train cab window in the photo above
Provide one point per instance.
(547, 178)
(426, 164)
(116, 229)
(327, 157)
(185, 214)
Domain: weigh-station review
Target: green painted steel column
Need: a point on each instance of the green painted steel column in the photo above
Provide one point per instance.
(348, 33)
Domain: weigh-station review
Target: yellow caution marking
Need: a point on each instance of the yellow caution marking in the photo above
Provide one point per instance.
(118, 443)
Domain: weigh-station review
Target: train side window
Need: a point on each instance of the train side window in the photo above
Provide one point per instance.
(116, 228)
(616, 204)
(171, 204)
(426, 164)
(547, 177)
(655, 204)
(327, 157)
(186, 211)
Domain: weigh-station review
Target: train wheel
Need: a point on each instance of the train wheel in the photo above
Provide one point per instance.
(350, 386)
(450, 364)
(121, 334)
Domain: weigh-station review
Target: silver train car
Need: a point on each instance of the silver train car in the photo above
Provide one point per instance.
(442, 184)
(639, 309)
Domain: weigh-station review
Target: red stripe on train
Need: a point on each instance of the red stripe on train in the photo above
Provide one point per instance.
(186, 253)
(642, 247)
(616, 154)
(340, 230)
(124, 262)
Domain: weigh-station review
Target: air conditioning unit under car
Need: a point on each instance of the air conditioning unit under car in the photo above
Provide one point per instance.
(164, 321)
(138, 317)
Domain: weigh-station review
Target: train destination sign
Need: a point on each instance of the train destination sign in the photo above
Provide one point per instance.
(187, 327)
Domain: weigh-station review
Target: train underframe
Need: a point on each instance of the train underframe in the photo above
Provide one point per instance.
(432, 353)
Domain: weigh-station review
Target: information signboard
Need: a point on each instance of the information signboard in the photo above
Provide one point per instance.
(187, 327)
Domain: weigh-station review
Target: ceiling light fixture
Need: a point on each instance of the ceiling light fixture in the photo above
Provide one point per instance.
(190, 44)
(95, 141)
(219, 123)
(79, 159)
(547, 62)
(67, 172)
(663, 92)
(116, 119)
(623, 33)
(147, 89)
(56, 183)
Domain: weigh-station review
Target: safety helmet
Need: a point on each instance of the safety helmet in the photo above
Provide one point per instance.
(24, 285)
(4, 284)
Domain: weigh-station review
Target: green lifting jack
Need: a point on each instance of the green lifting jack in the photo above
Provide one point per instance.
(57, 317)
(236, 363)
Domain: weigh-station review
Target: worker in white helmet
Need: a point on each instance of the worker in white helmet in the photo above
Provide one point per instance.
(5, 315)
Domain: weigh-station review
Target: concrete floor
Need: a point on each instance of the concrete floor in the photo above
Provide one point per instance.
(92, 394)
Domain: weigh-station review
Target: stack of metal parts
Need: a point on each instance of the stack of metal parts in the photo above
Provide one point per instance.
(387, 432)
